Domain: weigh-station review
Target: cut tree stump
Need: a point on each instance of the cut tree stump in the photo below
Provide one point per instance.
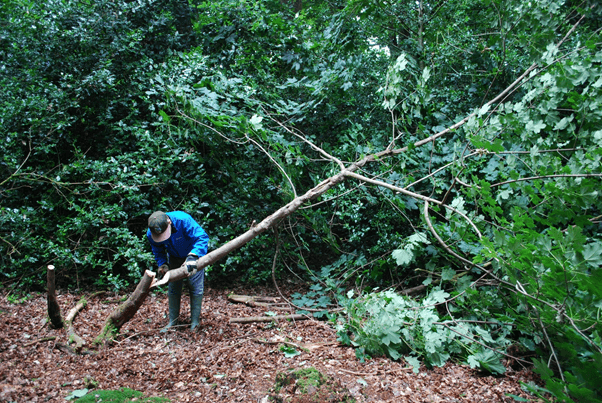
(54, 311)
(125, 311)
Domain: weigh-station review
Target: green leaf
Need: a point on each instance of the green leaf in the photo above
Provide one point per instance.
(517, 398)
(164, 115)
(447, 274)
(483, 110)
(535, 127)
(402, 256)
(418, 237)
(289, 351)
(393, 353)
(488, 361)
(541, 368)
(592, 253)
(76, 394)
(437, 358)
(414, 362)
(390, 336)
(436, 296)
(256, 122)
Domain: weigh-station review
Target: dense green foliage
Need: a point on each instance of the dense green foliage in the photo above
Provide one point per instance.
(230, 109)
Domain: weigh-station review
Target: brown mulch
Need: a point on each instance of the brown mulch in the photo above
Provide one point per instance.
(222, 362)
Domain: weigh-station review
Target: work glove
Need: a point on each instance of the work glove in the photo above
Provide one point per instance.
(191, 262)
(164, 268)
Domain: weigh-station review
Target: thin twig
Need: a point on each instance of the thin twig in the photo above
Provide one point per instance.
(43, 339)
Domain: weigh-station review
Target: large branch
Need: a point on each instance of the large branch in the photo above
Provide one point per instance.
(290, 208)
(125, 311)
(241, 240)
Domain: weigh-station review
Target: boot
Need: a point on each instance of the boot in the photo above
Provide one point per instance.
(196, 302)
(174, 309)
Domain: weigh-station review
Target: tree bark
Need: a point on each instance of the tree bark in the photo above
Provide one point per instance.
(125, 311)
(54, 311)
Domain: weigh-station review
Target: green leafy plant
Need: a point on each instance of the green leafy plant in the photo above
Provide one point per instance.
(386, 323)
(289, 351)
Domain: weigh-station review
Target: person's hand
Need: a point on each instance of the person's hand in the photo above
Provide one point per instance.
(191, 262)
(164, 268)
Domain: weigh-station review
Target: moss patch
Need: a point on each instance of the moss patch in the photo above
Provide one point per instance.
(122, 395)
(308, 385)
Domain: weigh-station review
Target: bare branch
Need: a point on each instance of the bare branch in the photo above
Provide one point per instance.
(548, 176)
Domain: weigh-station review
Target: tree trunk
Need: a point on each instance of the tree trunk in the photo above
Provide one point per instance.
(125, 311)
(54, 311)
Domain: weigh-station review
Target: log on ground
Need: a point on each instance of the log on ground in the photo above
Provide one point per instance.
(126, 311)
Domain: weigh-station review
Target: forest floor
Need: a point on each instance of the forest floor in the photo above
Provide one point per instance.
(223, 362)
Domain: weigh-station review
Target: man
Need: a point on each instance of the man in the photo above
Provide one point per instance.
(177, 239)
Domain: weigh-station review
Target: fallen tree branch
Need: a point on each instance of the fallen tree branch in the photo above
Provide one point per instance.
(125, 311)
(413, 290)
(257, 301)
(73, 337)
(251, 319)
(43, 339)
(323, 187)
(374, 373)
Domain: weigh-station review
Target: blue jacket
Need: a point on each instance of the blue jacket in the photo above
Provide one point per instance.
(187, 237)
